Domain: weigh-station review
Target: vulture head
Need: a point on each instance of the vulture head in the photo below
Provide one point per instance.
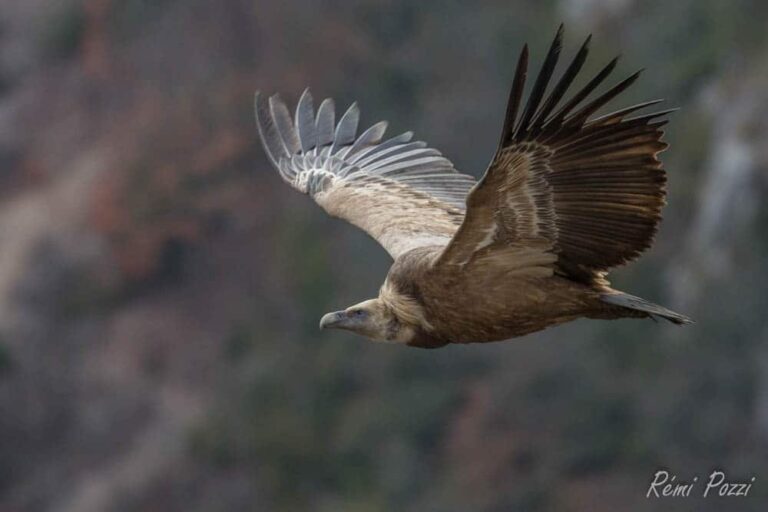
(371, 318)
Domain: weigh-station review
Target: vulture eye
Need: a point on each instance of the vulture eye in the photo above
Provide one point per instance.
(357, 312)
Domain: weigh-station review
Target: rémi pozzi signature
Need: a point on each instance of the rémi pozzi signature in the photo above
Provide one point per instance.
(666, 485)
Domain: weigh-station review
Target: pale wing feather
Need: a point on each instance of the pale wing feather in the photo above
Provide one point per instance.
(402, 193)
(398, 217)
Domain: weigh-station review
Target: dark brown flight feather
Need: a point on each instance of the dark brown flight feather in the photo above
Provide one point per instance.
(591, 190)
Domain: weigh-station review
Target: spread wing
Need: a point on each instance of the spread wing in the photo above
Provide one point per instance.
(402, 193)
(588, 191)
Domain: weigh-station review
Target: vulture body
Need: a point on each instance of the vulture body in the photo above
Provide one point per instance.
(567, 197)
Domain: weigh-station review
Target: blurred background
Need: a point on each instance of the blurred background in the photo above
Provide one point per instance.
(160, 288)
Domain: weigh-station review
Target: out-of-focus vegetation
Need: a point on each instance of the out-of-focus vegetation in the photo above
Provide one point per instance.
(160, 287)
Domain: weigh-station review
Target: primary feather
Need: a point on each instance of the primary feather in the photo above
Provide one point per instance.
(589, 191)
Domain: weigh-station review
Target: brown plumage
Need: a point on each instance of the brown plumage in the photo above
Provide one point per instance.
(566, 198)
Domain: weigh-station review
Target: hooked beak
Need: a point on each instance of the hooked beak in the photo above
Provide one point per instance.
(333, 320)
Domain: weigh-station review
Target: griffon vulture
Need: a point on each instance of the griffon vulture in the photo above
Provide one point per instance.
(566, 197)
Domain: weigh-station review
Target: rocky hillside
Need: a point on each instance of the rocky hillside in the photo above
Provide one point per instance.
(160, 287)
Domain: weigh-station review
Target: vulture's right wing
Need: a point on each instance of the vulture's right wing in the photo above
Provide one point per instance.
(588, 192)
(402, 193)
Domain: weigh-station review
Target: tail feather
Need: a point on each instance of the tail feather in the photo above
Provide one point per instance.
(636, 303)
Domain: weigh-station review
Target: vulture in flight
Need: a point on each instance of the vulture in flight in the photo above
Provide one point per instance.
(566, 197)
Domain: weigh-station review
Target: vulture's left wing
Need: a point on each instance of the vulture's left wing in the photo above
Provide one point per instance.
(402, 193)
(587, 192)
